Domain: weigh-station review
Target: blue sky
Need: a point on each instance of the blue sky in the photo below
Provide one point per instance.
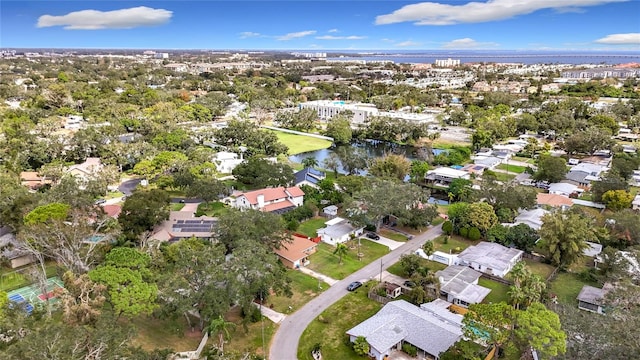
(323, 25)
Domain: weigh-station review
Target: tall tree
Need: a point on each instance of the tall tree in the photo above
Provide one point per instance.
(564, 237)
(339, 128)
(394, 166)
(551, 168)
(540, 329)
(142, 211)
(222, 328)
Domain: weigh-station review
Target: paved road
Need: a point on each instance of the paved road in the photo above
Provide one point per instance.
(284, 345)
(126, 187)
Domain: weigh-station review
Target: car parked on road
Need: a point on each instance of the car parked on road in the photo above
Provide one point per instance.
(354, 285)
(372, 235)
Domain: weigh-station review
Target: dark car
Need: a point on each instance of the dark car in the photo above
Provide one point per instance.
(354, 285)
(373, 236)
(410, 284)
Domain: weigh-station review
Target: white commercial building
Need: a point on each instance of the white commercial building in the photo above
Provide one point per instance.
(326, 109)
(448, 62)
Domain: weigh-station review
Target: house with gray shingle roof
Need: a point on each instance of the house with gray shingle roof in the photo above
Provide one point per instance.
(459, 284)
(431, 328)
(490, 258)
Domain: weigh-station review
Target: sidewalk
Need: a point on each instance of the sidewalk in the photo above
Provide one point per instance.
(316, 275)
(271, 314)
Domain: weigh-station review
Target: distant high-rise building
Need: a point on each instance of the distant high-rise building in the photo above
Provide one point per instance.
(162, 55)
(448, 62)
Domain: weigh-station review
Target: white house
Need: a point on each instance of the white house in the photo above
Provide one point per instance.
(635, 205)
(338, 230)
(226, 161)
(277, 200)
(490, 258)
(565, 189)
(459, 285)
(87, 170)
(439, 256)
(592, 299)
(532, 218)
(445, 175)
(431, 328)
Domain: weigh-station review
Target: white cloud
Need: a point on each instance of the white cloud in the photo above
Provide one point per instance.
(433, 13)
(468, 43)
(332, 37)
(387, 40)
(407, 43)
(116, 19)
(620, 39)
(332, 31)
(295, 35)
(249, 34)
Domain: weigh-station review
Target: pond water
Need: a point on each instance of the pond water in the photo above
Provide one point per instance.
(372, 148)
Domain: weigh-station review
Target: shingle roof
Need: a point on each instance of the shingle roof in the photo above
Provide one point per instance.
(310, 175)
(337, 230)
(459, 281)
(490, 255)
(432, 329)
(592, 295)
(296, 249)
(554, 200)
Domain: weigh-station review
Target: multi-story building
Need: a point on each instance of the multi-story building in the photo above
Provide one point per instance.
(448, 62)
(362, 113)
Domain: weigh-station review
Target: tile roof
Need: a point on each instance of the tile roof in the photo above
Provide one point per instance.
(278, 206)
(297, 249)
(554, 200)
(271, 194)
(112, 210)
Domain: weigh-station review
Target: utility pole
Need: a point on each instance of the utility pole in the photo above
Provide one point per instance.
(380, 269)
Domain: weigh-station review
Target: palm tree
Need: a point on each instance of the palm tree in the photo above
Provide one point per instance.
(533, 289)
(341, 250)
(309, 162)
(516, 296)
(519, 272)
(221, 327)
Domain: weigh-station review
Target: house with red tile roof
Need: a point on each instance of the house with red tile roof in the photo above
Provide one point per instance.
(276, 200)
(295, 253)
(553, 200)
(112, 210)
(33, 180)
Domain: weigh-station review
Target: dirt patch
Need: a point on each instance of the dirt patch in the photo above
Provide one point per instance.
(193, 334)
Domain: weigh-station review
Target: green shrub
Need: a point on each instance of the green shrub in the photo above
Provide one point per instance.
(474, 234)
(464, 232)
(293, 225)
(410, 349)
(447, 227)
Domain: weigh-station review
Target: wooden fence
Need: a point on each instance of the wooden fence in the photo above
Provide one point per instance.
(497, 279)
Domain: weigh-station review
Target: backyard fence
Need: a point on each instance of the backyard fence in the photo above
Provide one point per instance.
(496, 279)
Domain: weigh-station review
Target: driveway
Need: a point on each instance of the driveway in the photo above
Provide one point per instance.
(126, 187)
(284, 345)
(392, 244)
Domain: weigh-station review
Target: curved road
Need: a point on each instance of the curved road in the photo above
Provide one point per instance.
(284, 345)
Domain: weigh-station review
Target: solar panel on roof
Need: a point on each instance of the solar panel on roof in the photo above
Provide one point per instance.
(180, 221)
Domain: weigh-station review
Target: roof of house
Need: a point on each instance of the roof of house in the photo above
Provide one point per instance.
(592, 169)
(30, 176)
(563, 188)
(448, 172)
(271, 194)
(488, 161)
(554, 200)
(490, 255)
(296, 249)
(593, 249)
(577, 176)
(88, 166)
(592, 295)
(533, 218)
(337, 230)
(432, 329)
(279, 207)
(310, 175)
(112, 210)
(459, 281)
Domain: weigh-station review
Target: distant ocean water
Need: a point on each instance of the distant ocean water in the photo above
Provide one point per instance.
(528, 57)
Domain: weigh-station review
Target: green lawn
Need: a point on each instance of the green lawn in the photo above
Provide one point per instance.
(113, 195)
(299, 143)
(212, 209)
(433, 266)
(454, 242)
(11, 279)
(567, 286)
(512, 168)
(325, 262)
(393, 235)
(310, 226)
(498, 291)
(523, 159)
(542, 269)
(304, 288)
(249, 341)
(330, 327)
(153, 333)
(176, 206)
(500, 176)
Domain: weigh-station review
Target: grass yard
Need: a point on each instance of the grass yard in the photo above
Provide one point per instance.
(176, 206)
(113, 195)
(329, 328)
(11, 279)
(212, 209)
(567, 286)
(393, 235)
(310, 226)
(454, 242)
(498, 291)
(304, 288)
(325, 262)
(433, 266)
(523, 159)
(500, 176)
(299, 143)
(542, 269)
(512, 168)
(251, 340)
(155, 333)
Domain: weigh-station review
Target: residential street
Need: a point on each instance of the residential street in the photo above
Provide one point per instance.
(284, 345)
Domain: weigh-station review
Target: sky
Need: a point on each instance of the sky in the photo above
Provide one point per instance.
(323, 25)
